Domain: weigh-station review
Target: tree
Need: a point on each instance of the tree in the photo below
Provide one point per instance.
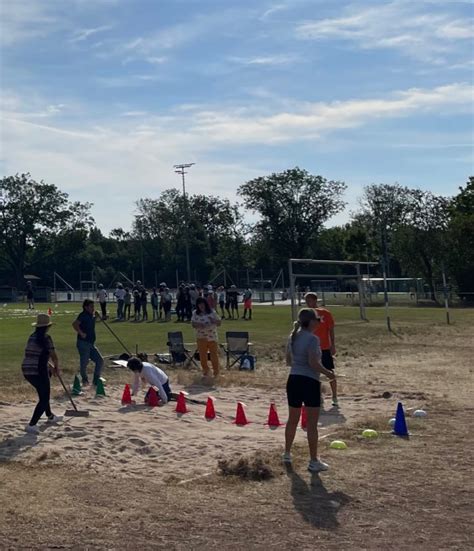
(420, 240)
(293, 206)
(32, 212)
(461, 239)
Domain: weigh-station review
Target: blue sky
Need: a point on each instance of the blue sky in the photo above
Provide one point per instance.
(102, 97)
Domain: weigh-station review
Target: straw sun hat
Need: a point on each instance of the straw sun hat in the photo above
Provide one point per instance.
(42, 320)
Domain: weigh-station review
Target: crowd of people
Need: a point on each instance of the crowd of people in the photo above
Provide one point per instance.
(157, 304)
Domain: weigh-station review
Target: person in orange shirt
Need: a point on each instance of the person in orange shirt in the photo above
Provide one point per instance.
(327, 339)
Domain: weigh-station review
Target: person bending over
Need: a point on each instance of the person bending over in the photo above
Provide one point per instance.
(303, 386)
(150, 374)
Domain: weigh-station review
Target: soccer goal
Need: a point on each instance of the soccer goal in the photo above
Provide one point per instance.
(353, 294)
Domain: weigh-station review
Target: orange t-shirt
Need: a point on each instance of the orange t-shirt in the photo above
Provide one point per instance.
(324, 327)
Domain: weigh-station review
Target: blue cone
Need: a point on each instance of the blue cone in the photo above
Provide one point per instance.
(400, 428)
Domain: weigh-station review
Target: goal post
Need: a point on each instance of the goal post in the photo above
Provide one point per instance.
(355, 264)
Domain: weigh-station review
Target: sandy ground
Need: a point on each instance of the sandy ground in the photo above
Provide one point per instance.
(142, 478)
(137, 439)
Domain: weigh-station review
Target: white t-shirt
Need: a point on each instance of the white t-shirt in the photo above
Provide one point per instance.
(154, 376)
(120, 294)
(208, 329)
(102, 295)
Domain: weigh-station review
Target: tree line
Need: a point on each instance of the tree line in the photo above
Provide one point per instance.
(413, 232)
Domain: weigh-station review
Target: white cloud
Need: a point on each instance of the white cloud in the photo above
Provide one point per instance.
(271, 60)
(25, 20)
(83, 34)
(405, 26)
(131, 155)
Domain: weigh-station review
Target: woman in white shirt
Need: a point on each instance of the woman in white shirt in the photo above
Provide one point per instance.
(206, 322)
(152, 375)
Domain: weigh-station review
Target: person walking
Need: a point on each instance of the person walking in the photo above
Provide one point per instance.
(327, 338)
(39, 350)
(101, 296)
(206, 321)
(84, 326)
(303, 386)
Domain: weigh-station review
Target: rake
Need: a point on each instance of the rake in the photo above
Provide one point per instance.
(72, 412)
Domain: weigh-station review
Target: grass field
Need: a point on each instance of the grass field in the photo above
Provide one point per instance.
(95, 487)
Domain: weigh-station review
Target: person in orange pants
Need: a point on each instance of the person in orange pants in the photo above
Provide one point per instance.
(206, 321)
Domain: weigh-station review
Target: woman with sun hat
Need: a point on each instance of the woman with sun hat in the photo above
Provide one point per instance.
(39, 350)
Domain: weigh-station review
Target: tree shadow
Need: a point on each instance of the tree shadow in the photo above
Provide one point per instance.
(314, 503)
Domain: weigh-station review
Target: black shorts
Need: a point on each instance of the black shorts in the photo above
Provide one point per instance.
(327, 360)
(303, 390)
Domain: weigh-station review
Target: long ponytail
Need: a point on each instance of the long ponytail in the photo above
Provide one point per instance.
(296, 327)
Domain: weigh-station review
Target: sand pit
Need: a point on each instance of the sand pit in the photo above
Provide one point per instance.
(139, 440)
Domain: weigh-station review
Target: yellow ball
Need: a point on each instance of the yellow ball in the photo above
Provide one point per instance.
(370, 433)
(338, 445)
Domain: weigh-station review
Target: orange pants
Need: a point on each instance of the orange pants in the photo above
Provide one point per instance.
(205, 346)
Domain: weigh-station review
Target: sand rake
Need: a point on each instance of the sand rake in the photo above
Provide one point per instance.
(72, 412)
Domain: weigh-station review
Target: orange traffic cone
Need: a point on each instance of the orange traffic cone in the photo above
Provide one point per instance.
(126, 396)
(50, 312)
(152, 397)
(273, 420)
(210, 411)
(240, 417)
(303, 418)
(181, 403)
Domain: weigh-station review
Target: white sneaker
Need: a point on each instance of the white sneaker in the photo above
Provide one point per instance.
(286, 458)
(32, 429)
(315, 466)
(55, 419)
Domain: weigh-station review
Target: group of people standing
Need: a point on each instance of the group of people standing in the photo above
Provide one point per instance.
(224, 301)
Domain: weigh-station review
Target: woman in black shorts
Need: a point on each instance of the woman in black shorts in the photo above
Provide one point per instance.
(303, 386)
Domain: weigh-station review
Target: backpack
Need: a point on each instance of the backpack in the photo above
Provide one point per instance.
(247, 362)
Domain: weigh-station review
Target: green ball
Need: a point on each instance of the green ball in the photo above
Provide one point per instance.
(338, 445)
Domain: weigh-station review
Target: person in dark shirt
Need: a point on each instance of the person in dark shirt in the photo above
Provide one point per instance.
(84, 326)
(136, 304)
(233, 295)
(143, 303)
(39, 350)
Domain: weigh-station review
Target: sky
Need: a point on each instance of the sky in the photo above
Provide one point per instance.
(103, 97)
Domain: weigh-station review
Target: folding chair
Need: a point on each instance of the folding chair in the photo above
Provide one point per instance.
(237, 345)
(179, 353)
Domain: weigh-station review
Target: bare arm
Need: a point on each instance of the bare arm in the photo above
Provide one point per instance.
(315, 363)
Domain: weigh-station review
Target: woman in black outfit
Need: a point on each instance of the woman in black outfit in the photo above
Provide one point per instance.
(39, 350)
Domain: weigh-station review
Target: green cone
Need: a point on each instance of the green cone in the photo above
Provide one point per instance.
(100, 391)
(76, 387)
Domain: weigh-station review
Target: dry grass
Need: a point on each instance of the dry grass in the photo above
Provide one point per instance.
(387, 493)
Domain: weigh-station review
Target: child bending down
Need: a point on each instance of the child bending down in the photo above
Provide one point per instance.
(152, 375)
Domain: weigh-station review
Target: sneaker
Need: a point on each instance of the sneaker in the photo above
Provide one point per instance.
(85, 382)
(335, 403)
(286, 458)
(32, 429)
(55, 419)
(315, 466)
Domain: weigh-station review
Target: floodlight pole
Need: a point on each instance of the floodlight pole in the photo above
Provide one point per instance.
(180, 169)
(292, 290)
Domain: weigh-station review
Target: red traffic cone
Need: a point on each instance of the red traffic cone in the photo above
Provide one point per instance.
(240, 417)
(126, 396)
(181, 404)
(50, 312)
(210, 411)
(152, 397)
(273, 420)
(303, 418)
